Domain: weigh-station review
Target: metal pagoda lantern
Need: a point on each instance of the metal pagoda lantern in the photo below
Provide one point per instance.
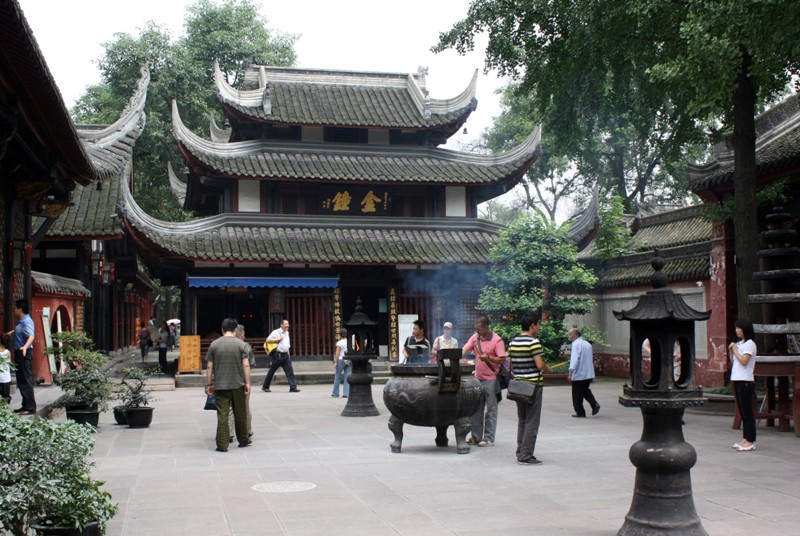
(662, 496)
(360, 349)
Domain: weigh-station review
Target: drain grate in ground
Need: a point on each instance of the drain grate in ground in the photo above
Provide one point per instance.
(285, 486)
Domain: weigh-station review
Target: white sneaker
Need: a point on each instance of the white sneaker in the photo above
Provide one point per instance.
(486, 442)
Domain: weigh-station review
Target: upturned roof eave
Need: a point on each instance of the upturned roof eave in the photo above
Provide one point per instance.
(519, 157)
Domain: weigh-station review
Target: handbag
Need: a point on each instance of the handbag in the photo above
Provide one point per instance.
(521, 391)
(211, 402)
(503, 377)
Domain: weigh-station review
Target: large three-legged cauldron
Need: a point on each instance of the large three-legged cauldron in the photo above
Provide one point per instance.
(433, 395)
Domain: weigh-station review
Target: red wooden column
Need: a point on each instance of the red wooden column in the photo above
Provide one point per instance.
(721, 301)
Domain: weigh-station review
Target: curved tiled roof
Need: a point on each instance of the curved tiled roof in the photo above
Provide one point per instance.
(344, 98)
(55, 284)
(111, 146)
(25, 73)
(299, 239)
(672, 228)
(92, 214)
(359, 163)
(630, 274)
(176, 186)
(777, 147)
(92, 210)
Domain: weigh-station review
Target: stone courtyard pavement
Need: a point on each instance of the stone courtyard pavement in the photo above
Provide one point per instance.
(311, 471)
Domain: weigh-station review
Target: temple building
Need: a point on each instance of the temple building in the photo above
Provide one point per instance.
(700, 256)
(48, 167)
(322, 187)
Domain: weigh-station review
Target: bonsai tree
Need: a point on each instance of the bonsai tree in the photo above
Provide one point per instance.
(84, 380)
(134, 393)
(45, 476)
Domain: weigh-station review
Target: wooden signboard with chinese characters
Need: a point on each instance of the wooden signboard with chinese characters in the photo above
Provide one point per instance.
(189, 359)
(355, 201)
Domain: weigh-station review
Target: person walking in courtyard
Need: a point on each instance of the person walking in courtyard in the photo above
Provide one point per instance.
(163, 343)
(581, 374)
(490, 355)
(417, 348)
(23, 357)
(444, 341)
(144, 340)
(527, 362)
(228, 377)
(251, 360)
(343, 366)
(281, 358)
(743, 355)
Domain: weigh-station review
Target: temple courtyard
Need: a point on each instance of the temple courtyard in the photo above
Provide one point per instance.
(310, 471)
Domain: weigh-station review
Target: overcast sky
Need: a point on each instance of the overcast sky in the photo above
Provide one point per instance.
(370, 35)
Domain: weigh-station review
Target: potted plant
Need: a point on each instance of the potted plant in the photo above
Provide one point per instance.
(136, 396)
(85, 383)
(46, 479)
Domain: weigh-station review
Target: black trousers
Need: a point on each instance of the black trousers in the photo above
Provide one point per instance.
(745, 393)
(581, 391)
(25, 378)
(5, 392)
(281, 360)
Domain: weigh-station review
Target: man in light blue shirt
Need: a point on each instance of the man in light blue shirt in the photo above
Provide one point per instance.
(23, 357)
(581, 374)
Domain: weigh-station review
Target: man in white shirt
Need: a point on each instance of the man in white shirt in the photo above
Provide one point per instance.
(281, 358)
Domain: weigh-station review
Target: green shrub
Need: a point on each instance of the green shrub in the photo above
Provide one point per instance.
(45, 475)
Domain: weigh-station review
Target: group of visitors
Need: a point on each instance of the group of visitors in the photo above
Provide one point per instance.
(166, 338)
(230, 360)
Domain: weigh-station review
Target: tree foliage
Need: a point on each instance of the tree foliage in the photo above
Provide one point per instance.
(534, 267)
(233, 32)
(613, 237)
(654, 65)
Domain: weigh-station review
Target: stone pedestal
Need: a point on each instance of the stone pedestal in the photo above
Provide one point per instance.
(360, 403)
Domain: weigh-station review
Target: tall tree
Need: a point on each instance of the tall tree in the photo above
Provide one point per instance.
(535, 267)
(585, 60)
(233, 32)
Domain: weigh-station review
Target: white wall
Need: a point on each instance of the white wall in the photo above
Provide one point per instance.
(249, 196)
(455, 201)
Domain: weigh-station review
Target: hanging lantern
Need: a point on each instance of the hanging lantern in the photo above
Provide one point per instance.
(97, 264)
(108, 273)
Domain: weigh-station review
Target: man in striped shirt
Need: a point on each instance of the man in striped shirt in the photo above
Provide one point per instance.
(527, 363)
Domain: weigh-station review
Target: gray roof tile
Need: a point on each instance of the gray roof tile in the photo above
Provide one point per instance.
(343, 98)
(367, 163)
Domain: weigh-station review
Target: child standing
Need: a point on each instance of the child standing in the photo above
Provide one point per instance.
(5, 368)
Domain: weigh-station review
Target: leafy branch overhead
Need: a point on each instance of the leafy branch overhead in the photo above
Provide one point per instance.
(233, 32)
(653, 69)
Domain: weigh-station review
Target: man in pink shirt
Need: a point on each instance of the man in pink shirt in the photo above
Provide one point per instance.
(490, 354)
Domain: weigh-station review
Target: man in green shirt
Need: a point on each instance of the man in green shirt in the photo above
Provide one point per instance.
(228, 377)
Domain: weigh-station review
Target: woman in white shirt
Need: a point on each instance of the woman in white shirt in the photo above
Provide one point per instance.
(743, 353)
(341, 364)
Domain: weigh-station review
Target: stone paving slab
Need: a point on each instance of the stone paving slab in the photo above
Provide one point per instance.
(169, 480)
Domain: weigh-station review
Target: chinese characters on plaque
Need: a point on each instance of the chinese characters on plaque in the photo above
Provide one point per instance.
(355, 201)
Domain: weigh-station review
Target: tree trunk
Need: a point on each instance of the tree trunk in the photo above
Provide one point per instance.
(745, 222)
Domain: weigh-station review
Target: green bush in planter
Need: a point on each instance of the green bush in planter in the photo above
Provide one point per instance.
(45, 475)
(134, 392)
(84, 381)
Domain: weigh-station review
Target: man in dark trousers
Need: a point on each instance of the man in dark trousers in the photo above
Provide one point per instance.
(228, 377)
(581, 374)
(281, 358)
(23, 357)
